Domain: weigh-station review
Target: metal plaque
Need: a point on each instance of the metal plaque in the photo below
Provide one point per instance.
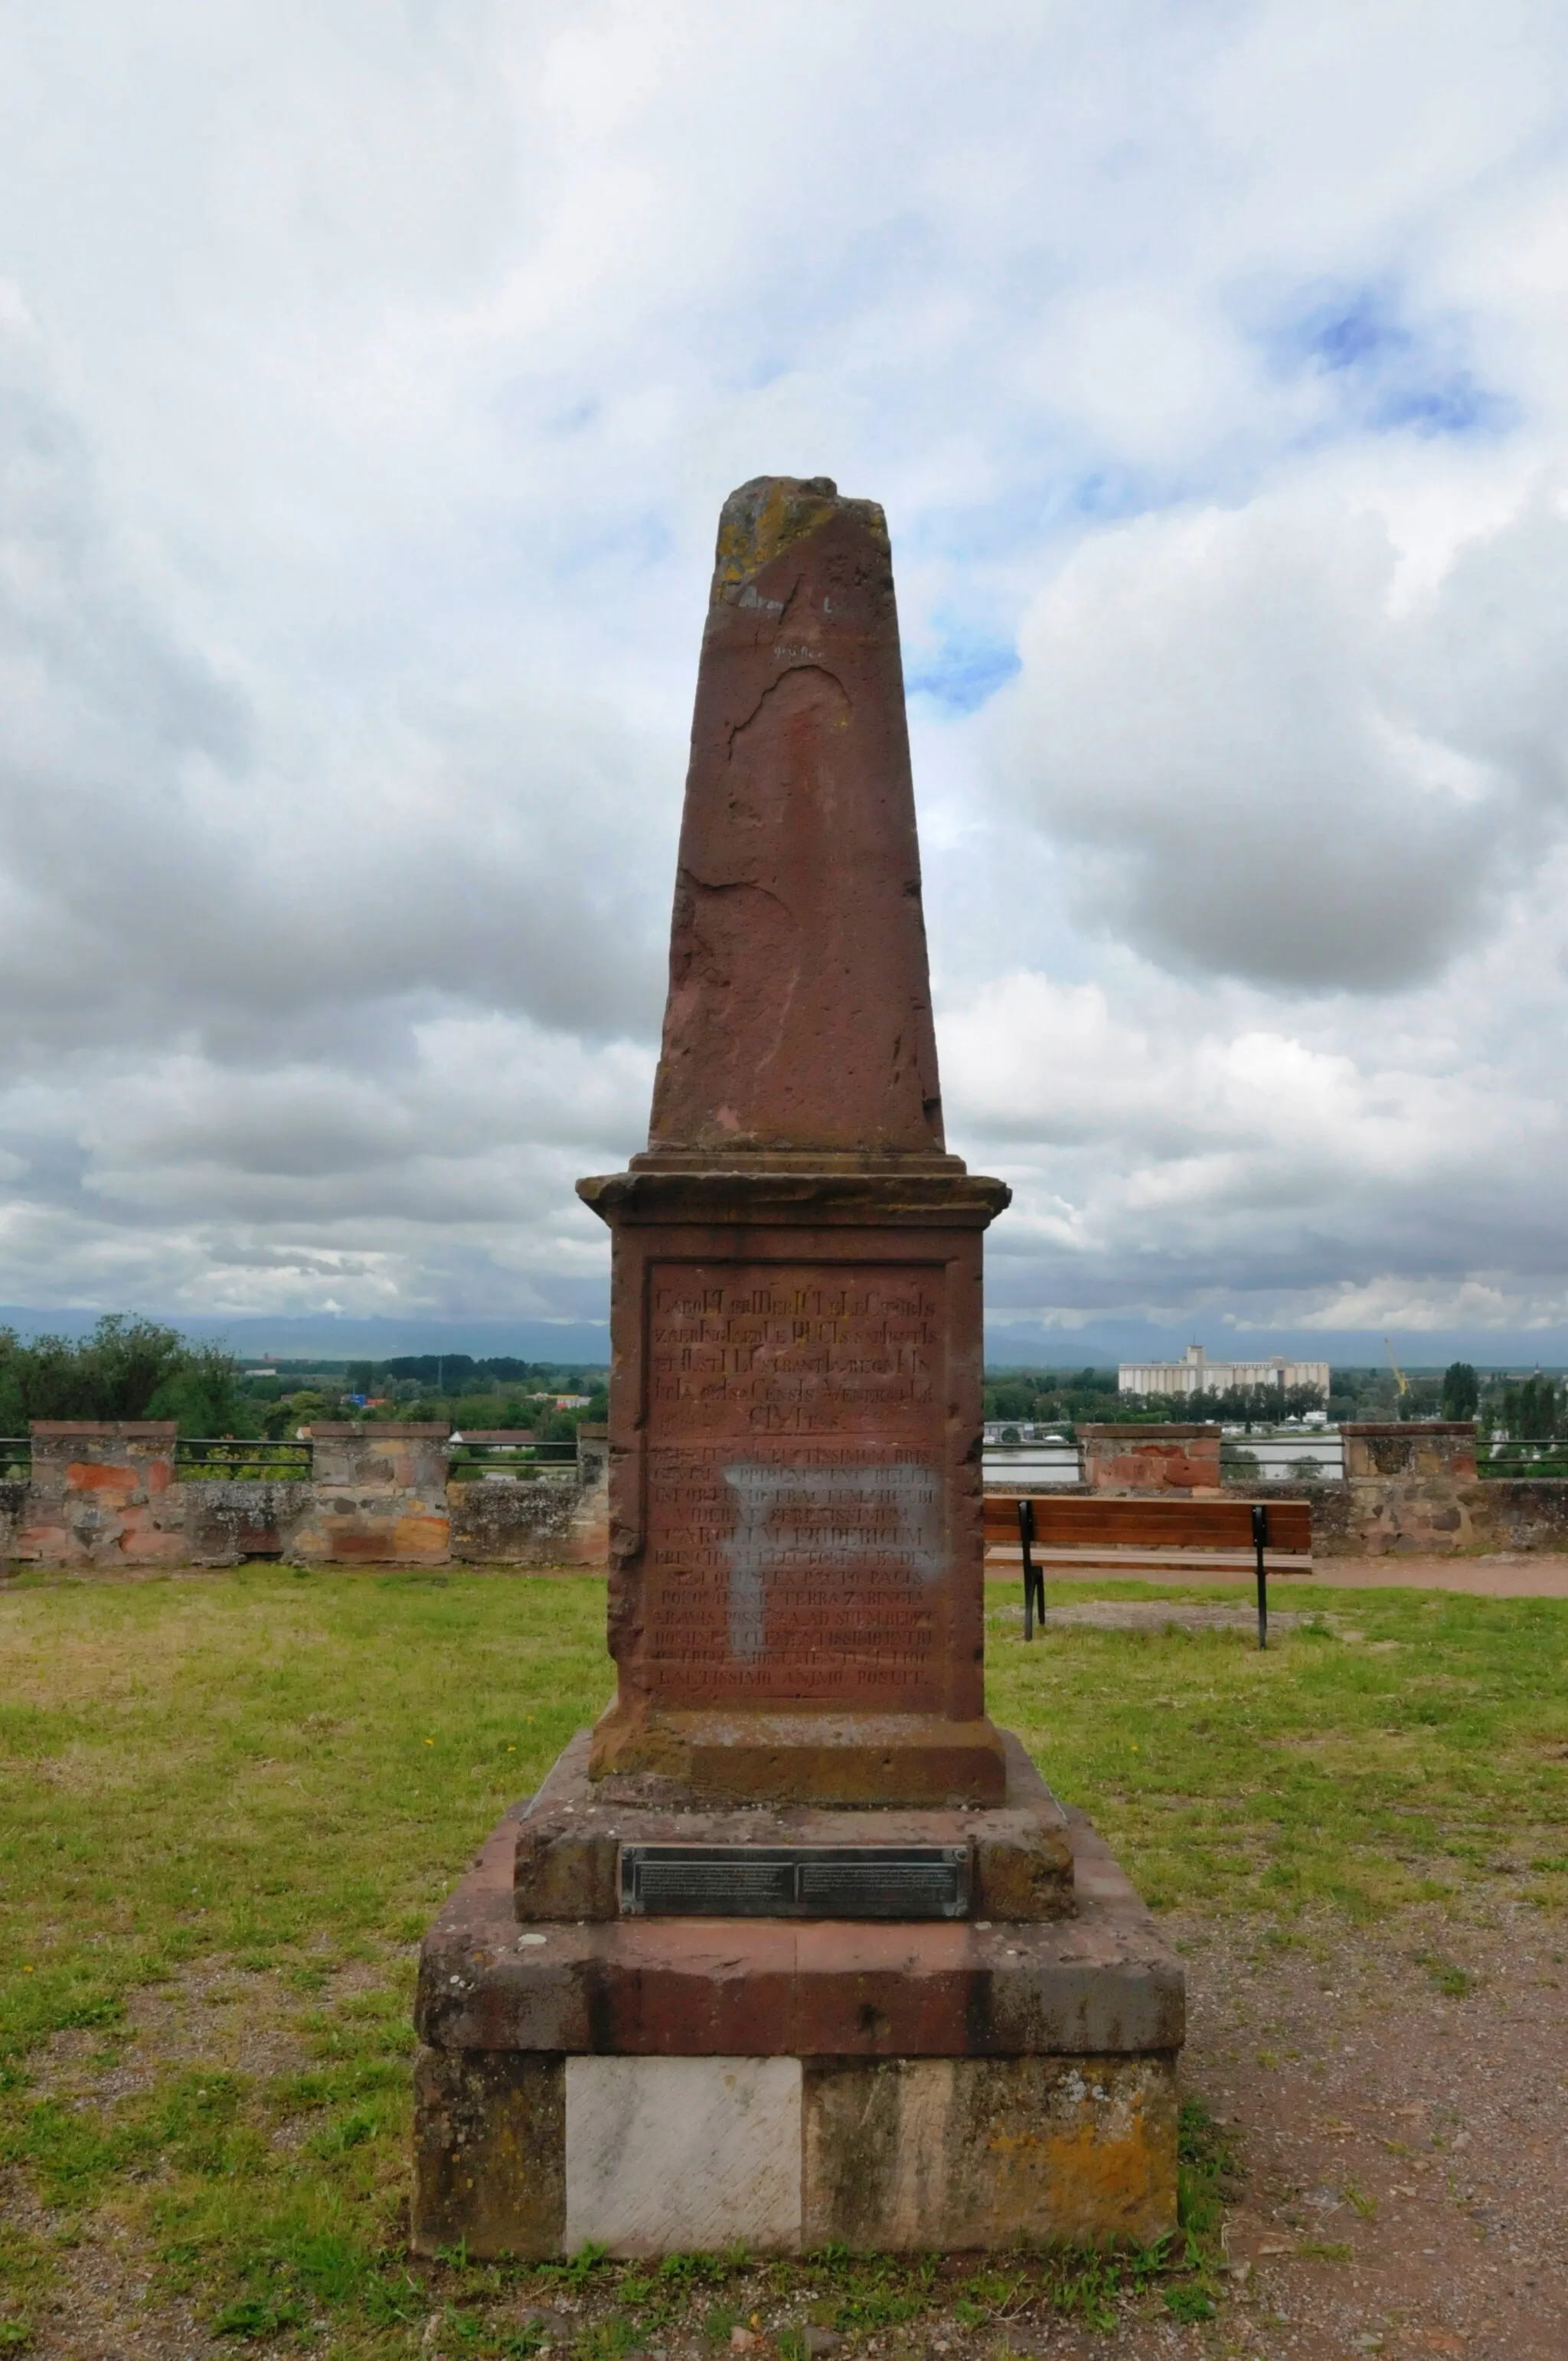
(674, 1881)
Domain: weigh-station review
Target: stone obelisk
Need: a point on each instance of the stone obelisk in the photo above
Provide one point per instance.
(795, 1947)
(795, 1503)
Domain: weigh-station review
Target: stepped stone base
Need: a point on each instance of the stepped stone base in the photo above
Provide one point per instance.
(569, 1836)
(532, 2154)
(661, 2084)
(851, 1759)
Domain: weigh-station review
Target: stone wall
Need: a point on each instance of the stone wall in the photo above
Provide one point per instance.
(1440, 1449)
(1410, 1490)
(1151, 1458)
(228, 1523)
(378, 1495)
(111, 1495)
(102, 1494)
(510, 1521)
(13, 1499)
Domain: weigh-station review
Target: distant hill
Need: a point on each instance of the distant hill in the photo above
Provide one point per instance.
(328, 1337)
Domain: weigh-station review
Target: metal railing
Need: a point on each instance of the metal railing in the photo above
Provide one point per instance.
(1315, 1456)
(1499, 1454)
(239, 1459)
(15, 1458)
(1051, 1460)
(512, 1463)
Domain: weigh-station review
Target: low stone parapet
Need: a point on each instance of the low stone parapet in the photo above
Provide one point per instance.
(230, 1520)
(377, 1494)
(1150, 1458)
(510, 1522)
(1415, 1447)
(113, 1493)
(103, 1492)
(14, 1498)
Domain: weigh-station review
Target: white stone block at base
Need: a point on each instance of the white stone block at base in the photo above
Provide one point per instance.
(672, 2154)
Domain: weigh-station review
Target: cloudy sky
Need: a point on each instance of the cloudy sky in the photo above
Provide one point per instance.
(371, 372)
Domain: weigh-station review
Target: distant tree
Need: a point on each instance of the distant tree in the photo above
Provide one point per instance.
(448, 1372)
(1460, 1390)
(1251, 1406)
(1422, 1398)
(116, 1372)
(1530, 1412)
(202, 1398)
(1538, 1408)
(297, 1409)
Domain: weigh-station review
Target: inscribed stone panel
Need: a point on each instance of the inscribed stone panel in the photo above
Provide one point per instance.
(796, 1526)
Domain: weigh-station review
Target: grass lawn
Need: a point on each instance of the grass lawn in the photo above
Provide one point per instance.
(232, 1803)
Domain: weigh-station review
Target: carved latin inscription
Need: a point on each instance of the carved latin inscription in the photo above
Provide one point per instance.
(797, 1537)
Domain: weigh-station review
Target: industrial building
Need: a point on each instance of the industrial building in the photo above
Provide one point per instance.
(1196, 1374)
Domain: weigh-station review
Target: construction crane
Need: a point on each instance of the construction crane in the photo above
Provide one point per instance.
(1401, 1379)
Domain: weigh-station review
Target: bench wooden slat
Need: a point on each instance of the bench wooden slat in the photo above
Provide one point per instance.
(1113, 1521)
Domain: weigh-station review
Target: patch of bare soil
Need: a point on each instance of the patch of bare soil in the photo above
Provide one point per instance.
(234, 2022)
(1155, 1615)
(105, 2304)
(1402, 2101)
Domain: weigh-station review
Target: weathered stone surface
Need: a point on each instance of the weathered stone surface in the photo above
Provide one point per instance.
(649, 2156)
(570, 1834)
(379, 1495)
(489, 2152)
(796, 1496)
(513, 1524)
(14, 1495)
(102, 1493)
(978, 2152)
(1443, 1447)
(109, 1493)
(593, 1454)
(684, 2155)
(795, 1550)
(229, 1520)
(1518, 1512)
(1098, 1982)
(799, 1013)
(1140, 1459)
(1427, 1514)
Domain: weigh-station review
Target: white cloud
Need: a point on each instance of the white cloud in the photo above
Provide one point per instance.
(369, 380)
(1267, 766)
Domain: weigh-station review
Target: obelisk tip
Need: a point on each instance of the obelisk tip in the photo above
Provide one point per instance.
(799, 1016)
(763, 517)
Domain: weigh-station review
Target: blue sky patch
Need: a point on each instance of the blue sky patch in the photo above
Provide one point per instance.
(1392, 376)
(964, 672)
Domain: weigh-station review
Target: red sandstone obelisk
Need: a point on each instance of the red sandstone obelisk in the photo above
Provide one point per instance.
(795, 1584)
(880, 2006)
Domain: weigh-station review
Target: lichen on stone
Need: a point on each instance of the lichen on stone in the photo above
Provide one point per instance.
(764, 516)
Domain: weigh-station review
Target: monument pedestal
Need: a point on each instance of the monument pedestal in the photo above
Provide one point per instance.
(795, 1488)
(664, 2084)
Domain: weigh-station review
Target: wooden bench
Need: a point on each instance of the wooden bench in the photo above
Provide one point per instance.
(1110, 1521)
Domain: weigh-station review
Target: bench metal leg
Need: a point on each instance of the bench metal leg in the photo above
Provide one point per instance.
(1260, 1542)
(1033, 1580)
